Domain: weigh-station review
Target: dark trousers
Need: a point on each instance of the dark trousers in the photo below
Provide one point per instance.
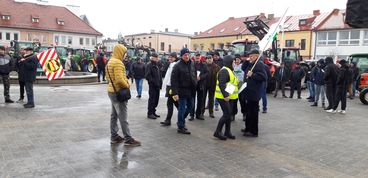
(251, 123)
(199, 105)
(211, 99)
(101, 71)
(331, 94)
(340, 96)
(154, 96)
(29, 90)
(22, 85)
(185, 106)
(6, 83)
(278, 85)
(227, 113)
(243, 103)
(170, 107)
(295, 85)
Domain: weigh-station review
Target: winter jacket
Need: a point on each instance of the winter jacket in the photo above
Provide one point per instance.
(20, 68)
(224, 76)
(297, 74)
(282, 75)
(255, 83)
(29, 71)
(153, 75)
(213, 69)
(184, 79)
(202, 68)
(100, 62)
(5, 64)
(331, 72)
(138, 70)
(115, 70)
(318, 75)
(344, 77)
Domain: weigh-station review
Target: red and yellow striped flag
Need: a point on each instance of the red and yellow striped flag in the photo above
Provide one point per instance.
(50, 63)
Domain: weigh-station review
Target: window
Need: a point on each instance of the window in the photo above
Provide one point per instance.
(221, 45)
(162, 46)
(81, 41)
(29, 36)
(150, 44)
(349, 37)
(302, 44)
(57, 40)
(5, 17)
(70, 40)
(170, 48)
(93, 42)
(16, 36)
(327, 38)
(7, 36)
(289, 43)
(60, 22)
(212, 46)
(35, 20)
(365, 39)
(63, 39)
(302, 22)
(87, 41)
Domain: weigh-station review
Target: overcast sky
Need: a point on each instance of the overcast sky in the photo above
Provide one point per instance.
(140, 16)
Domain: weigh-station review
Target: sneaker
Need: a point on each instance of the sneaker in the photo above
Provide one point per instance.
(28, 105)
(200, 117)
(191, 118)
(219, 136)
(151, 117)
(20, 101)
(156, 115)
(165, 123)
(230, 136)
(183, 131)
(216, 108)
(132, 143)
(314, 104)
(264, 111)
(248, 134)
(331, 111)
(117, 139)
(341, 111)
(299, 98)
(9, 101)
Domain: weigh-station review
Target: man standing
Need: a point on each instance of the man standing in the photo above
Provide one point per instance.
(318, 77)
(5, 69)
(255, 84)
(202, 74)
(227, 95)
(29, 74)
(20, 70)
(153, 76)
(218, 61)
(138, 71)
(210, 85)
(296, 77)
(167, 82)
(101, 62)
(331, 74)
(264, 92)
(183, 83)
(281, 78)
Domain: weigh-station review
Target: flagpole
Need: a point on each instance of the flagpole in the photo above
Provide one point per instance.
(268, 41)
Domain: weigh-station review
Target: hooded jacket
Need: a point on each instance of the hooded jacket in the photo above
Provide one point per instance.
(153, 75)
(115, 70)
(223, 75)
(5, 64)
(331, 72)
(344, 77)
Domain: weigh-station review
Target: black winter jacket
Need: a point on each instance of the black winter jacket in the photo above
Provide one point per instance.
(6, 64)
(344, 77)
(255, 83)
(202, 68)
(331, 72)
(153, 75)
(138, 70)
(184, 79)
(282, 76)
(30, 68)
(297, 74)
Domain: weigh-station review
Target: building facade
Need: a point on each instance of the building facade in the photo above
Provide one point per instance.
(335, 38)
(165, 42)
(47, 24)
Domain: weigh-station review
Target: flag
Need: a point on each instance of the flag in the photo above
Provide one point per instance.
(50, 64)
(274, 30)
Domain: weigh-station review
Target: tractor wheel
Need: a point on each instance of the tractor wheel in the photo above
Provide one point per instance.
(364, 96)
(91, 67)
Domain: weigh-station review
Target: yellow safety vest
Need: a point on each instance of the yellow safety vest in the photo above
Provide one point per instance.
(233, 80)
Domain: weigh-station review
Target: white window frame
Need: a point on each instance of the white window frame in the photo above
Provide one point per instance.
(63, 40)
(87, 41)
(348, 41)
(93, 42)
(81, 41)
(6, 36)
(365, 37)
(71, 40)
(325, 42)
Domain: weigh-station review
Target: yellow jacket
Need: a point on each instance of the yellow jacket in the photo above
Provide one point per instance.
(116, 70)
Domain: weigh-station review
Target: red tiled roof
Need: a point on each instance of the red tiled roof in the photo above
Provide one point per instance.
(22, 12)
(292, 23)
(232, 26)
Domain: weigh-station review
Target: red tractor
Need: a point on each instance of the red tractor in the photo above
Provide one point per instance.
(363, 88)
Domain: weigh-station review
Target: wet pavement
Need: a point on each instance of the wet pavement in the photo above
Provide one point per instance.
(67, 135)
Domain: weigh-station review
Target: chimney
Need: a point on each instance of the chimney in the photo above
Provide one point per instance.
(231, 18)
(166, 29)
(262, 14)
(152, 31)
(75, 9)
(176, 31)
(316, 13)
(271, 16)
(195, 33)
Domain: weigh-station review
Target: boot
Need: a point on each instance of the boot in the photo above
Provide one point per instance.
(227, 130)
(314, 104)
(219, 136)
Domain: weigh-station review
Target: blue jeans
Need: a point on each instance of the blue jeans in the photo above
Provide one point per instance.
(185, 106)
(264, 100)
(29, 90)
(311, 89)
(354, 86)
(139, 85)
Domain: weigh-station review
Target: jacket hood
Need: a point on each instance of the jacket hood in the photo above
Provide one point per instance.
(328, 60)
(228, 61)
(119, 51)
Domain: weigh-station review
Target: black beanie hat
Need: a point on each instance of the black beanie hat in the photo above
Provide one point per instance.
(183, 51)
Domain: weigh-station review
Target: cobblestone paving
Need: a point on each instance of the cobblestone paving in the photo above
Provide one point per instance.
(67, 135)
